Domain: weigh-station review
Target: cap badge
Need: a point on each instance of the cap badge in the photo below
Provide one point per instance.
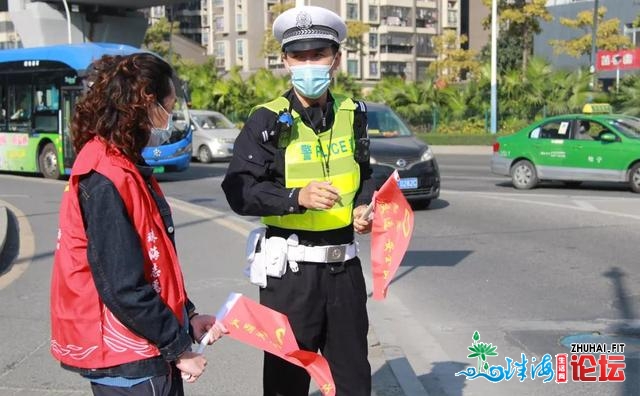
(303, 20)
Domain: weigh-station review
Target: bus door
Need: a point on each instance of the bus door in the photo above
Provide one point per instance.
(69, 98)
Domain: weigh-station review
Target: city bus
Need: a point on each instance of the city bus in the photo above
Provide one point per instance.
(38, 90)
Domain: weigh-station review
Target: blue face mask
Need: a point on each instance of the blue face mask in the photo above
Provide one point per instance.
(310, 80)
(160, 135)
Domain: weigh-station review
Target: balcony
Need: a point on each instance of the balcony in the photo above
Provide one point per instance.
(395, 57)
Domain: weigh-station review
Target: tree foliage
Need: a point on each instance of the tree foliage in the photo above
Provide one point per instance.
(158, 38)
(452, 60)
(355, 31)
(608, 35)
(509, 53)
(200, 79)
(520, 18)
(270, 46)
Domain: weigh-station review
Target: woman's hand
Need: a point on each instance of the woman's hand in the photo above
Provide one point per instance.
(202, 324)
(191, 365)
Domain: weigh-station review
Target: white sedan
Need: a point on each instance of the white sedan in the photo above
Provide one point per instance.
(213, 135)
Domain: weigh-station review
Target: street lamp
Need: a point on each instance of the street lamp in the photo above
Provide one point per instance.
(66, 10)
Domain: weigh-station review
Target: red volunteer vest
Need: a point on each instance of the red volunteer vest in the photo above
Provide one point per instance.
(84, 333)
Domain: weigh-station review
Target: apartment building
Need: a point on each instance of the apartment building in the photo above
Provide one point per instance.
(399, 41)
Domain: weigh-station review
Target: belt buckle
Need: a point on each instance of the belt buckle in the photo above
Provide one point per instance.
(335, 254)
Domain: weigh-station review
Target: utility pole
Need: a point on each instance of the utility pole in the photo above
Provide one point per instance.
(494, 66)
(594, 47)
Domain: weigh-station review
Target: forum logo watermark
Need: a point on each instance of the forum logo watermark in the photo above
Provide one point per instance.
(586, 362)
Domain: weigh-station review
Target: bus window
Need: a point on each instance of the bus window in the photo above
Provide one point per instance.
(19, 107)
(3, 108)
(47, 98)
(47, 103)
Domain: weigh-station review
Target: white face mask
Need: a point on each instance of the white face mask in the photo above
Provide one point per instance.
(160, 135)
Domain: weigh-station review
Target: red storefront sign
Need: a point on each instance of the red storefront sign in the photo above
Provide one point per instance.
(614, 60)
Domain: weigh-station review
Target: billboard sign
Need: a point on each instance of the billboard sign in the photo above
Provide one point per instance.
(618, 60)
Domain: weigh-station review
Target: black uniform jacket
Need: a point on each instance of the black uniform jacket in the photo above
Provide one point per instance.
(255, 182)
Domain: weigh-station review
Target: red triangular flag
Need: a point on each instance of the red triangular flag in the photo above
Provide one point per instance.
(264, 328)
(391, 234)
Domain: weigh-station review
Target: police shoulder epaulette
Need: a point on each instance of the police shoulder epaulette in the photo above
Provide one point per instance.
(361, 106)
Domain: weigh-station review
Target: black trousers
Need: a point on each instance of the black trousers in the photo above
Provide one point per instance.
(167, 385)
(326, 306)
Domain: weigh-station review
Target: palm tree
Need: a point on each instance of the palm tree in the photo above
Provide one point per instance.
(630, 96)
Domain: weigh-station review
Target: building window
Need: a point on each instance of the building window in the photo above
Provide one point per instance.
(424, 45)
(373, 69)
(239, 22)
(426, 17)
(219, 24)
(394, 69)
(396, 43)
(220, 49)
(452, 17)
(395, 16)
(373, 41)
(352, 11)
(352, 67)
(240, 49)
(373, 13)
(422, 71)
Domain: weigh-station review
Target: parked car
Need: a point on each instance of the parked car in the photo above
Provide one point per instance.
(593, 146)
(393, 146)
(213, 135)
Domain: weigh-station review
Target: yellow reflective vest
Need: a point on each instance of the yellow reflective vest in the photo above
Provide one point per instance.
(326, 156)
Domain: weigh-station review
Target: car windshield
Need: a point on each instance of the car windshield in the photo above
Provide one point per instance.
(384, 123)
(212, 121)
(628, 126)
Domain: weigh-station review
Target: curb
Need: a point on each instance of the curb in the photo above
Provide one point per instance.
(4, 224)
(468, 150)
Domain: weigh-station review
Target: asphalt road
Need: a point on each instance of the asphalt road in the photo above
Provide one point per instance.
(523, 268)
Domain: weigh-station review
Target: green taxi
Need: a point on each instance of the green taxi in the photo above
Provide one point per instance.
(593, 146)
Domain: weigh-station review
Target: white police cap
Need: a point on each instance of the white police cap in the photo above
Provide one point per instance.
(308, 27)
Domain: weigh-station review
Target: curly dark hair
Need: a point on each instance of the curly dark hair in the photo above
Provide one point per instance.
(115, 106)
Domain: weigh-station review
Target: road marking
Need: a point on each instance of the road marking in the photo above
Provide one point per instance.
(26, 248)
(492, 178)
(46, 391)
(585, 205)
(508, 198)
(230, 221)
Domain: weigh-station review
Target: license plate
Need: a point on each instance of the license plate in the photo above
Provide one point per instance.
(408, 183)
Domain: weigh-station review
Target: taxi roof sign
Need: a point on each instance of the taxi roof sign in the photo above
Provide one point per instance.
(597, 108)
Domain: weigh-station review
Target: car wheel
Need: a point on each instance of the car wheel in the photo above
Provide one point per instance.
(204, 155)
(48, 162)
(524, 175)
(634, 178)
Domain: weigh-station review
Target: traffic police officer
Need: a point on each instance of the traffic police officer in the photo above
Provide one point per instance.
(301, 162)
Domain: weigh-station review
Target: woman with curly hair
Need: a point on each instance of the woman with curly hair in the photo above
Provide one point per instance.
(120, 315)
